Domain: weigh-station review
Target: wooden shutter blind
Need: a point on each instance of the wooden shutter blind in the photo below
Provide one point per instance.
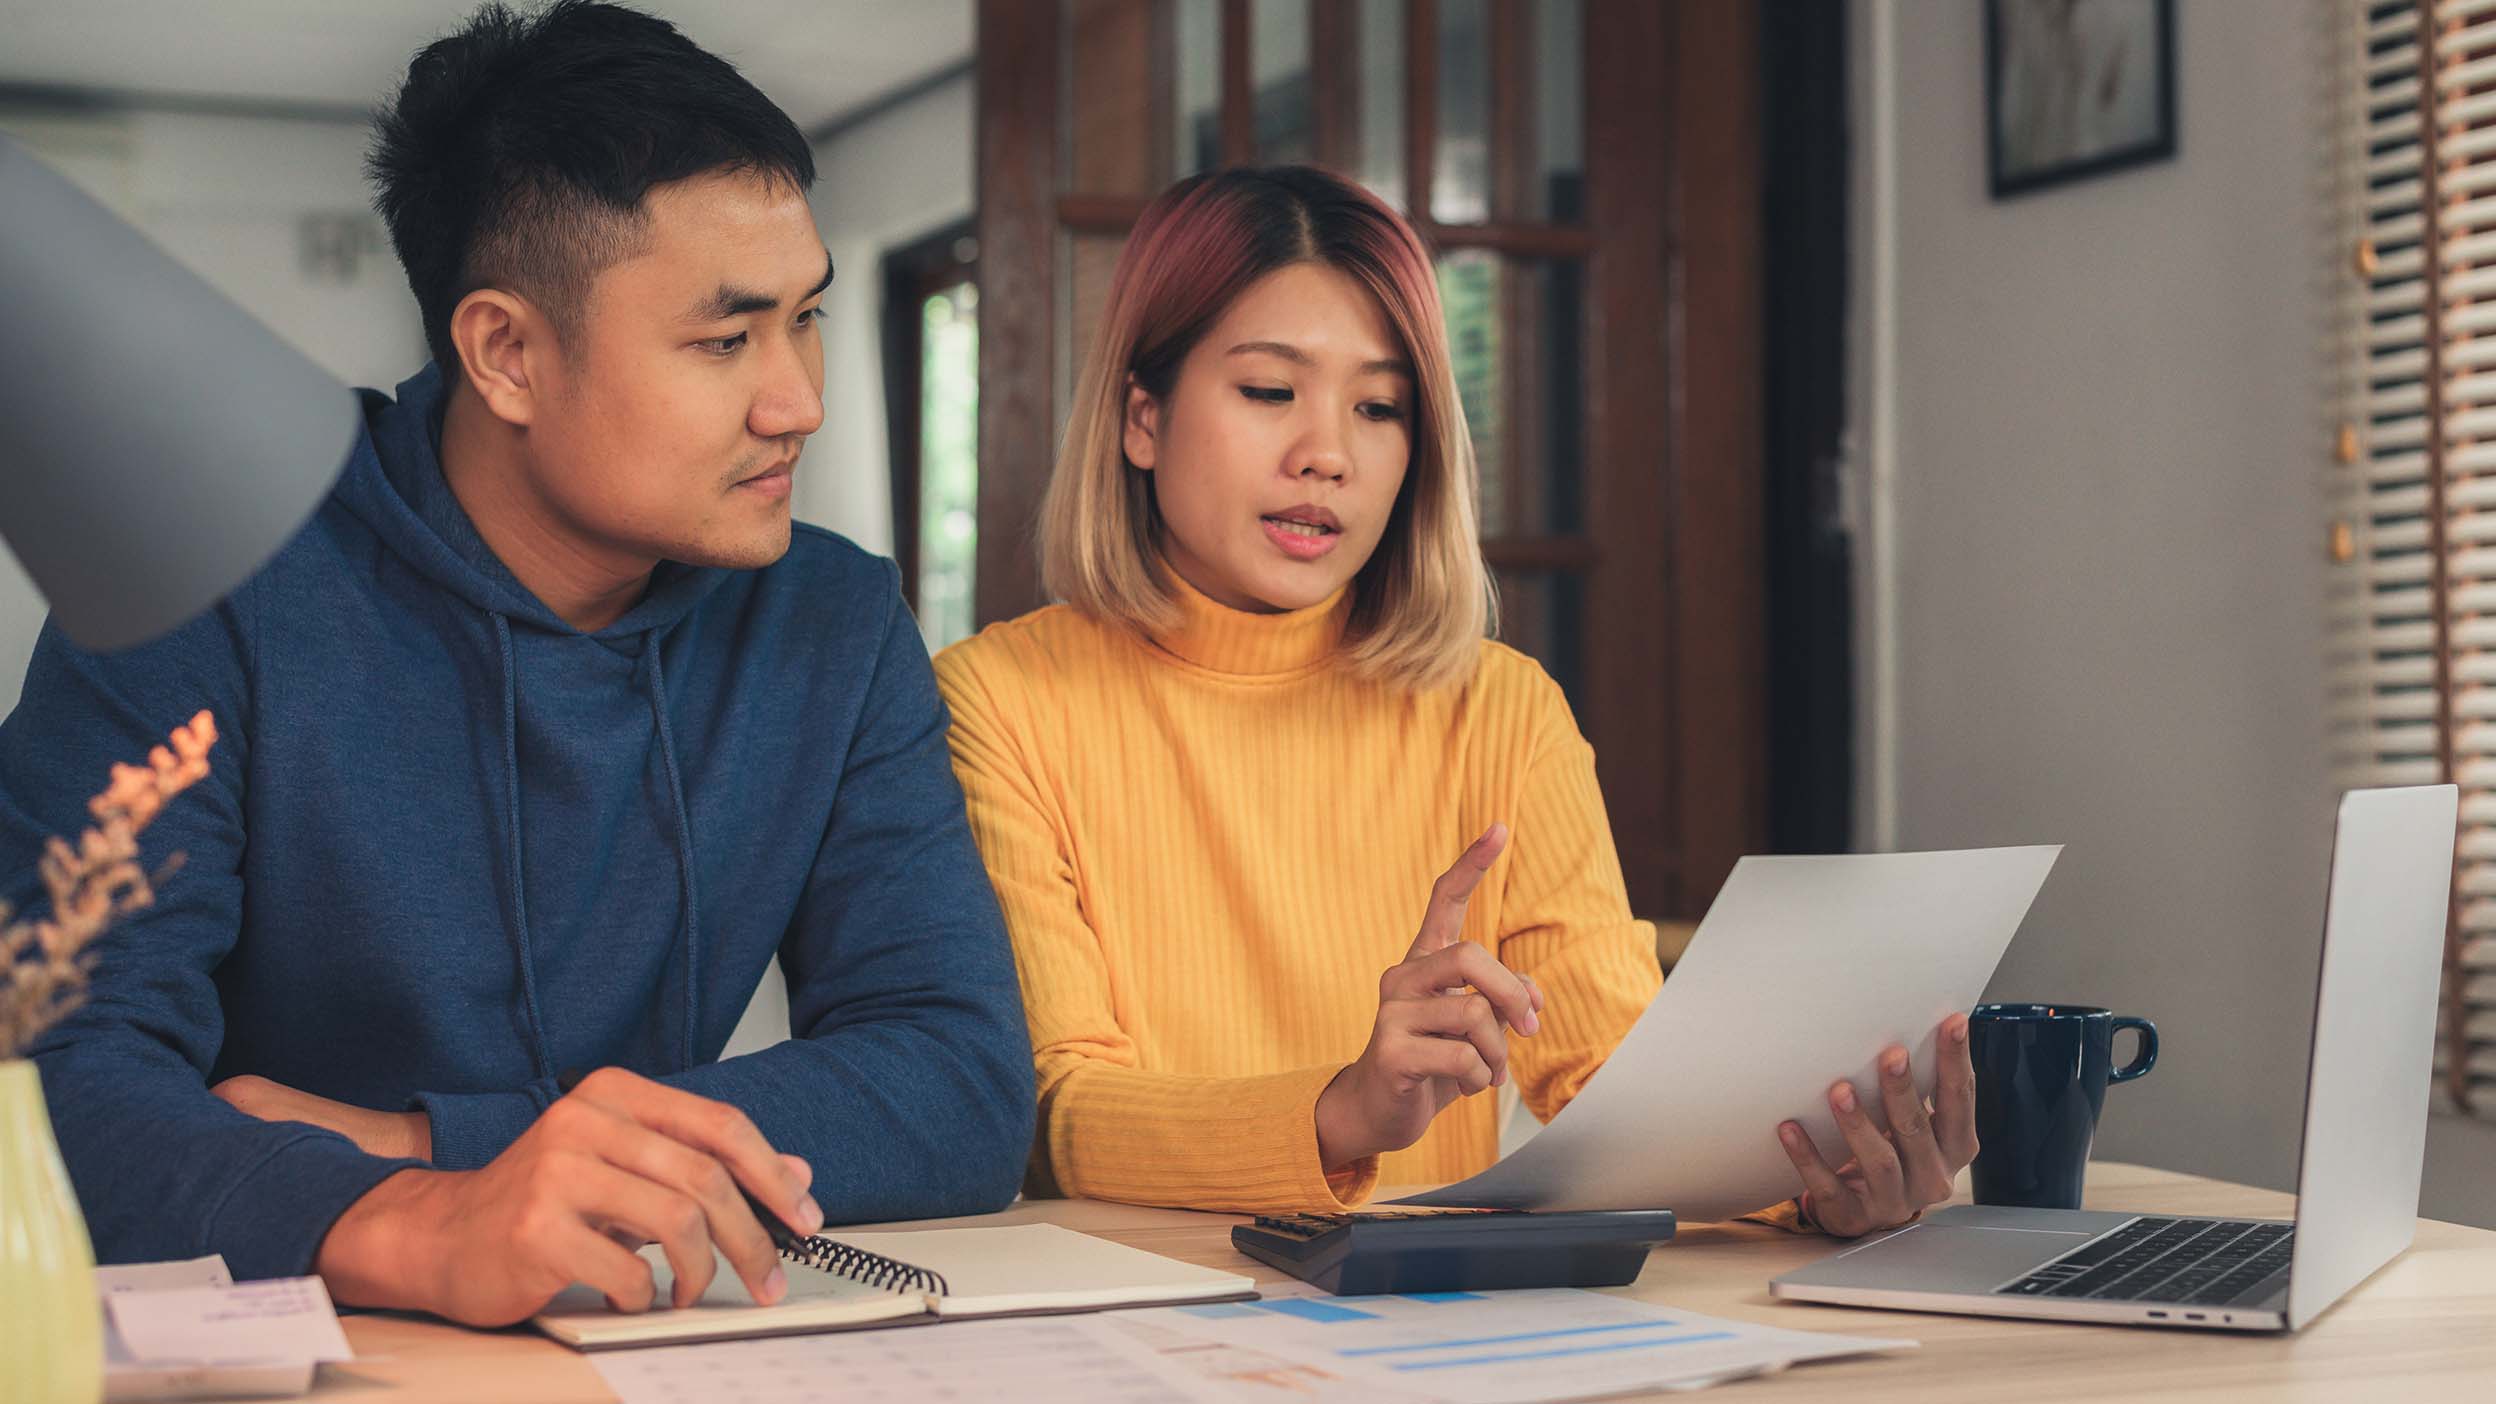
(2413, 622)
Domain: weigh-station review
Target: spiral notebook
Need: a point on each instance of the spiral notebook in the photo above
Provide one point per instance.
(864, 1280)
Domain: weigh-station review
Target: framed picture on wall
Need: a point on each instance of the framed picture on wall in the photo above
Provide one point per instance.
(2074, 88)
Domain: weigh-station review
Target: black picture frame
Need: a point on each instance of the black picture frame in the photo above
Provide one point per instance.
(2009, 175)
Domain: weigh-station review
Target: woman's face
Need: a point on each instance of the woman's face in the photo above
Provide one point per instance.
(1277, 456)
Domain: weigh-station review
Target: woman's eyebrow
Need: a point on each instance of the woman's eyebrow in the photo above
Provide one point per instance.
(1286, 351)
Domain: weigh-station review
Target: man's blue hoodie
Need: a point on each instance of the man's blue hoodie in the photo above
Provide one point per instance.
(451, 848)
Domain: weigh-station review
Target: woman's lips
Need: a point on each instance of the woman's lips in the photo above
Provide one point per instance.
(1299, 540)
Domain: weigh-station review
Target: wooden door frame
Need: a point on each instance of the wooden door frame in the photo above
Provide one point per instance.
(910, 274)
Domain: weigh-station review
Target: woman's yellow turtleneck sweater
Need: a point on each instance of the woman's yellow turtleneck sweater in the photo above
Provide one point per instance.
(1210, 845)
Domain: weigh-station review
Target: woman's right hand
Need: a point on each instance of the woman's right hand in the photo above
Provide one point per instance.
(1443, 1012)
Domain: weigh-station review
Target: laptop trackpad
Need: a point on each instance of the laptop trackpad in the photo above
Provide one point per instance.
(1939, 1258)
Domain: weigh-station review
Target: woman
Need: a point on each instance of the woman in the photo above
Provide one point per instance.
(1214, 785)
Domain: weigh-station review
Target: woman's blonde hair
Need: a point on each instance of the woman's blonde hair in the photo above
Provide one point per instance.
(1422, 602)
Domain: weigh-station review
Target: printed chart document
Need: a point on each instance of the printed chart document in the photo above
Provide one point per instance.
(1032, 1360)
(1803, 970)
(1534, 1347)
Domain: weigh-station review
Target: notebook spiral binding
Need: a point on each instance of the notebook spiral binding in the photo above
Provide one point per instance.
(858, 1265)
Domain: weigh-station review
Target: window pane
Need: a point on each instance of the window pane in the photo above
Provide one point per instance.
(948, 462)
(1469, 285)
(1279, 57)
(1460, 189)
(1381, 98)
(1196, 27)
(1516, 339)
(1542, 614)
(1558, 190)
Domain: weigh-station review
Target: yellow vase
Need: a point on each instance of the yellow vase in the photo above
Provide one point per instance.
(51, 1333)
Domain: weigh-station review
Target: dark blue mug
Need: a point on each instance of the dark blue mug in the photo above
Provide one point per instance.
(2041, 1076)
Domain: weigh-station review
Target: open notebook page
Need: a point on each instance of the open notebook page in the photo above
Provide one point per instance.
(817, 1301)
(999, 1269)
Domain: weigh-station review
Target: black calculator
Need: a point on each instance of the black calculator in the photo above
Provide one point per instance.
(1356, 1255)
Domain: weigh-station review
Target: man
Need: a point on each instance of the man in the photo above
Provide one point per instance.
(543, 737)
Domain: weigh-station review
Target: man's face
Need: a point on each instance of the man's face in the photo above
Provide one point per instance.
(691, 380)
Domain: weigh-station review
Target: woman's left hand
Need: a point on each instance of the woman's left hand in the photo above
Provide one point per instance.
(1894, 1176)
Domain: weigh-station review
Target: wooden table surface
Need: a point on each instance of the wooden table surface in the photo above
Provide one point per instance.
(2424, 1328)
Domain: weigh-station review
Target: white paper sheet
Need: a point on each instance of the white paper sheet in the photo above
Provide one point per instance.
(1803, 970)
(1538, 1347)
(283, 1319)
(1033, 1360)
(209, 1271)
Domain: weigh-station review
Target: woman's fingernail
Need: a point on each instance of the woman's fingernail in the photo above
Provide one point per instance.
(1791, 1134)
(1958, 1029)
(1895, 1062)
(1844, 1096)
(775, 1286)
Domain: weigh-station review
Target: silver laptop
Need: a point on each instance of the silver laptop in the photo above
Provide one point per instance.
(2366, 1091)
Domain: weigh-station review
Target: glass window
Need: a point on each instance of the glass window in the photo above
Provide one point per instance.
(1460, 177)
(948, 462)
(1278, 53)
(1196, 32)
(1516, 340)
(1381, 97)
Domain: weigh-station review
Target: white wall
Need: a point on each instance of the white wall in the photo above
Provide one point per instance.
(226, 197)
(903, 173)
(2091, 458)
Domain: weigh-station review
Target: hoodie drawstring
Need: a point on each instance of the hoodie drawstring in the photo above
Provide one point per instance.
(657, 679)
(684, 845)
(519, 897)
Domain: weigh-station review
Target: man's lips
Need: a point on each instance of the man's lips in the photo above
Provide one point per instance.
(771, 482)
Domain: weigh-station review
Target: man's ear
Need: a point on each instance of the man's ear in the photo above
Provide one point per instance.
(1143, 433)
(503, 342)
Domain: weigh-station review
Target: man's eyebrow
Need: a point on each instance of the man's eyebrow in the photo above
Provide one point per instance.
(732, 301)
(1298, 357)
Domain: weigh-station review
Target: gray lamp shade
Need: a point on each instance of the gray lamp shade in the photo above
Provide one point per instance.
(157, 443)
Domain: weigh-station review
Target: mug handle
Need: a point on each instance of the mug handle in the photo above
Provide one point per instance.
(2143, 1060)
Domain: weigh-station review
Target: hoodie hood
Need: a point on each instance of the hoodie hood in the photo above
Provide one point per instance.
(394, 484)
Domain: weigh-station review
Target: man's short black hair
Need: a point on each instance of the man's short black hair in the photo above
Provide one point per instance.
(519, 150)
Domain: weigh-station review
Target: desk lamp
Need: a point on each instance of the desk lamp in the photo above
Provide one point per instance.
(157, 443)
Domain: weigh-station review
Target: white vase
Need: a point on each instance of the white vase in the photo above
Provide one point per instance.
(51, 1333)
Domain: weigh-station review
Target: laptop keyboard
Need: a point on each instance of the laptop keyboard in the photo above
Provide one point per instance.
(2197, 1262)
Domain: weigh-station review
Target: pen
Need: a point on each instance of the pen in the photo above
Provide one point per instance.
(783, 1238)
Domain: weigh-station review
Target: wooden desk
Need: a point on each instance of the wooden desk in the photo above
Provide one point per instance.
(2423, 1329)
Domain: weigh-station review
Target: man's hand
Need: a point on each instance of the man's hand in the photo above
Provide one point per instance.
(1894, 1176)
(391, 1135)
(1433, 1041)
(621, 1159)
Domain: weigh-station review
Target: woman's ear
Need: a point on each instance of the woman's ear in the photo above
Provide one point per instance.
(1143, 421)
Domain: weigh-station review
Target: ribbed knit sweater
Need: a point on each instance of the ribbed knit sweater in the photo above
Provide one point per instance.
(1209, 846)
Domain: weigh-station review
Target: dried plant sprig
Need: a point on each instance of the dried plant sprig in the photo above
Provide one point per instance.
(44, 962)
